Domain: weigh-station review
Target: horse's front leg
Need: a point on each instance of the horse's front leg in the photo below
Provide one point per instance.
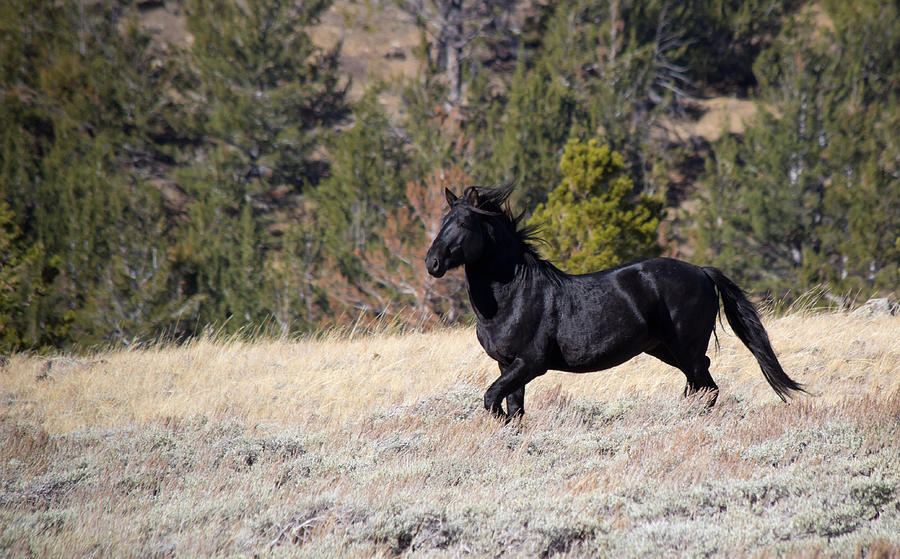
(513, 377)
(515, 403)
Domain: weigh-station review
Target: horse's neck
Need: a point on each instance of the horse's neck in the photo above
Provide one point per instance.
(494, 283)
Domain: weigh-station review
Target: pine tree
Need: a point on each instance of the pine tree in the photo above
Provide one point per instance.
(269, 97)
(270, 93)
(217, 253)
(806, 197)
(602, 69)
(451, 29)
(19, 282)
(369, 166)
(592, 220)
(540, 115)
(133, 299)
(861, 231)
(394, 284)
(78, 95)
(295, 273)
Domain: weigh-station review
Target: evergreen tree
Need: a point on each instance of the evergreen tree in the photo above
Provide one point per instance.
(393, 284)
(702, 44)
(269, 92)
(19, 285)
(806, 197)
(592, 220)
(861, 231)
(622, 70)
(269, 96)
(609, 69)
(369, 163)
(540, 114)
(451, 29)
(435, 136)
(295, 272)
(79, 94)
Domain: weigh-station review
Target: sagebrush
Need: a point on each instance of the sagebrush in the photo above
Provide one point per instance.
(379, 446)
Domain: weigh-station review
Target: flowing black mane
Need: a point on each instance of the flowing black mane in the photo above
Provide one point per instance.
(494, 201)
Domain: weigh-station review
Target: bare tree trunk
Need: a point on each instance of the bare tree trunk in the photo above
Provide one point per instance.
(613, 29)
(453, 26)
(454, 76)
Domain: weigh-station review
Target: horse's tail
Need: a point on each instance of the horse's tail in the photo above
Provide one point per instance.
(745, 322)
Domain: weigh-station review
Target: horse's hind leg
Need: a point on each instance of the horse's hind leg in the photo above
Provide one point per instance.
(695, 368)
(700, 381)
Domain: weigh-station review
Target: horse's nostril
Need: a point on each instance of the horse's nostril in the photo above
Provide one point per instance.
(433, 264)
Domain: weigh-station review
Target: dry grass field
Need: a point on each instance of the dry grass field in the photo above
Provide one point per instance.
(378, 445)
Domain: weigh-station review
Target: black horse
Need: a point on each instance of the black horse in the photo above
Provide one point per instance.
(533, 317)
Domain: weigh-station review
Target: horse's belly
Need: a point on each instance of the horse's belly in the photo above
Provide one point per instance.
(598, 355)
(591, 365)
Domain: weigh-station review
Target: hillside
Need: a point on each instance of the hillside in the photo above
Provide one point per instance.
(377, 38)
(235, 168)
(378, 42)
(378, 446)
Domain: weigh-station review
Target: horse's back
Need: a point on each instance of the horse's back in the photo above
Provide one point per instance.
(625, 310)
(649, 281)
(674, 287)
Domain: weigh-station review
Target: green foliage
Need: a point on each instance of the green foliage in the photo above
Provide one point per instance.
(151, 190)
(269, 98)
(296, 300)
(539, 116)
(717, 41)
(218, 258)
(616, 70)
(270, 93)
(132, 299)
(79, 103)
(340, 220)
(808, 195)
(592, 219)
(622, 70)
(434, 136)
(18, 284)
(369, 171)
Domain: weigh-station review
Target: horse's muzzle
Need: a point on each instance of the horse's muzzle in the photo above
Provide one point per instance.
(435, 266)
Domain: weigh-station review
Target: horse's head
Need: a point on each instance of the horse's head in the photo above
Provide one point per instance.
(461, 238)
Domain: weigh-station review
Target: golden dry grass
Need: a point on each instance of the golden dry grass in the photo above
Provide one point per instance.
(335, 379)
(379, 446)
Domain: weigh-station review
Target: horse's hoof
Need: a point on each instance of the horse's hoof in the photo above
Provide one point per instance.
(708, 396)
(499, 415)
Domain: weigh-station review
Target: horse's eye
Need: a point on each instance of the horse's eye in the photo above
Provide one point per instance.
(468, 225)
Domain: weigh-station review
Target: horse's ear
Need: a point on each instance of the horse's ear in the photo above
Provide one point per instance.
(472, 196)
(450, 196)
